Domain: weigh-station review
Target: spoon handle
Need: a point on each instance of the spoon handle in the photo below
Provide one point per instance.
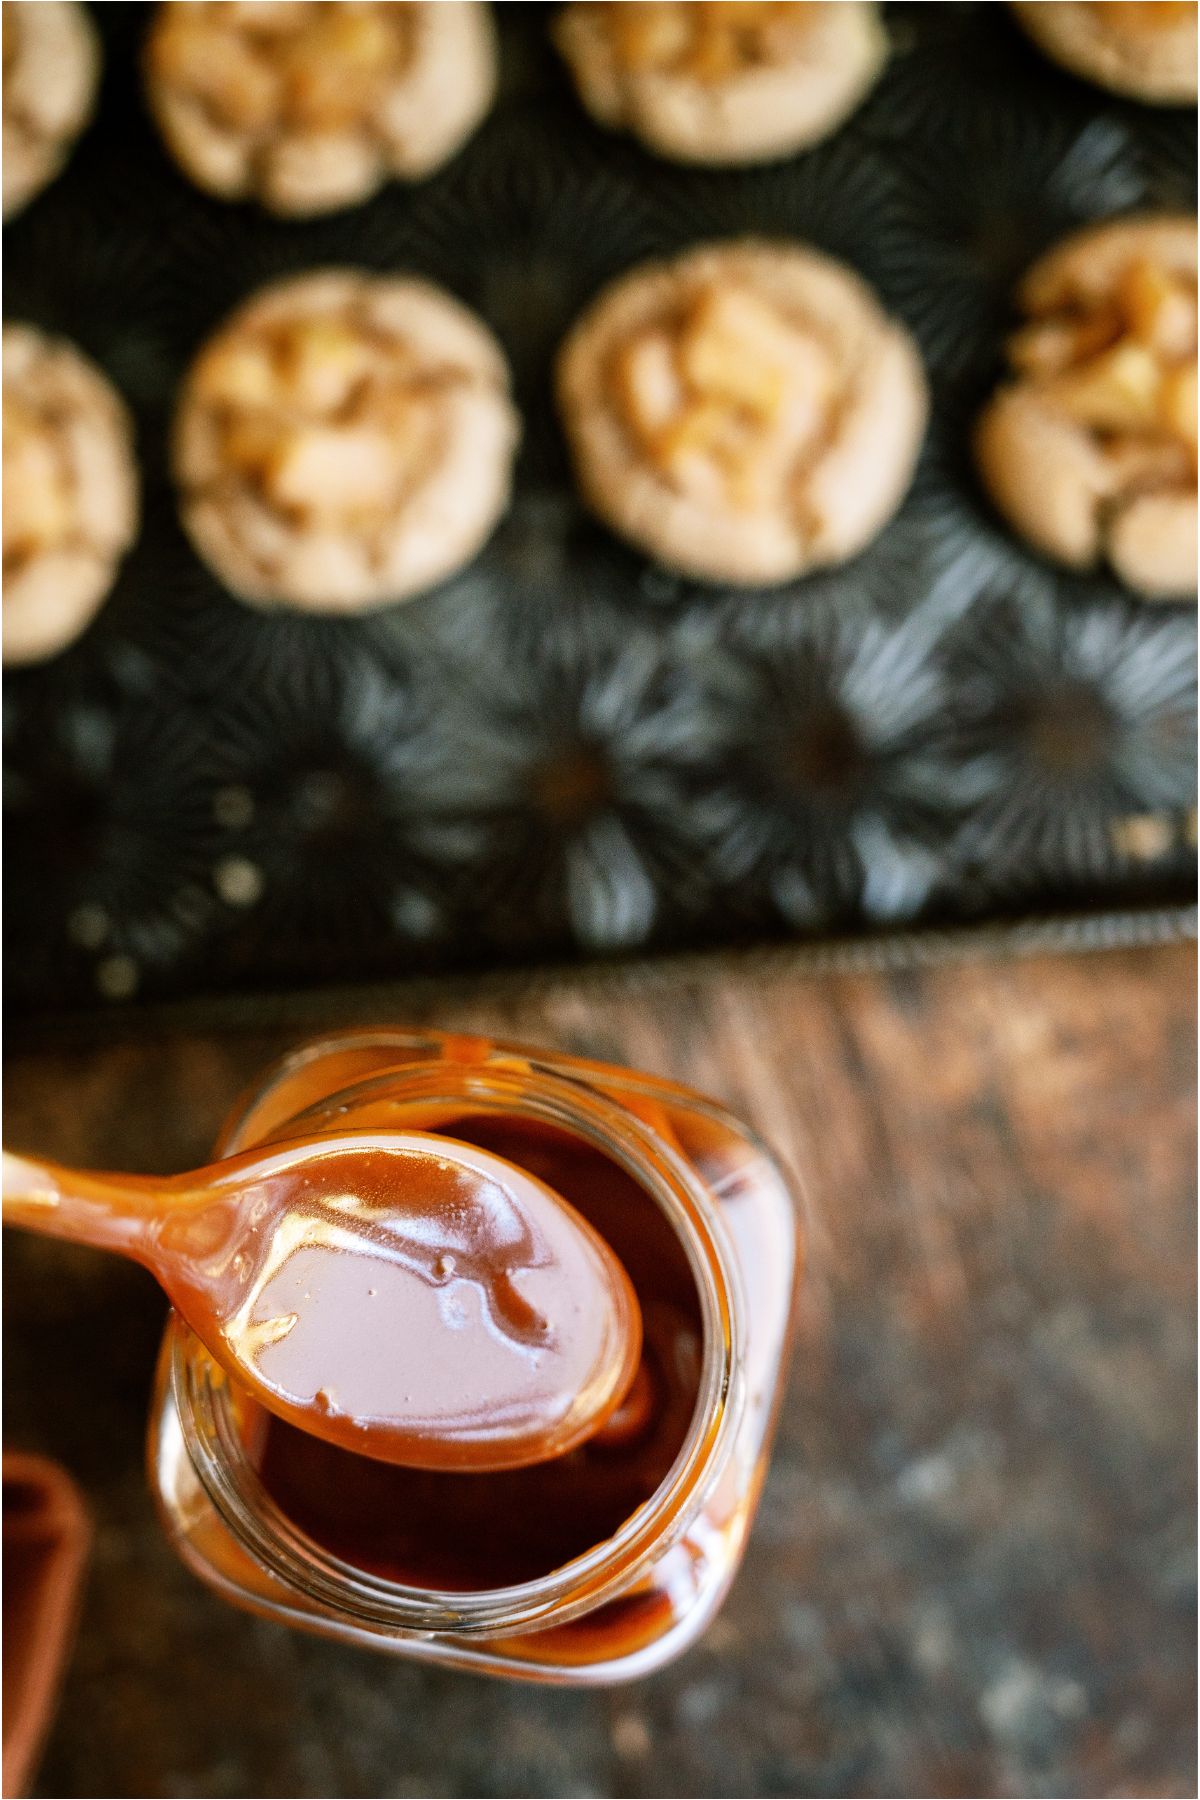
(110, 1212)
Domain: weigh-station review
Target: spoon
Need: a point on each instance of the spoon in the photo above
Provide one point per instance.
(406, 1296)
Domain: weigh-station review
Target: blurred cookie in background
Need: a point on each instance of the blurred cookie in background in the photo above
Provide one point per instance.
(70, 492)
(308, 107)
(51, 72)
(722, 83)
(1089, 449)
(343, 441)
(745, 412)
(1146, 49)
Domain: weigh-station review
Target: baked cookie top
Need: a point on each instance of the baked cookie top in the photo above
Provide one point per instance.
(1090, 448)
(344, 439)
(1146, 48)
(51, 70)
(311, 105)
(746, 411)
(70, 491)
(735, 81)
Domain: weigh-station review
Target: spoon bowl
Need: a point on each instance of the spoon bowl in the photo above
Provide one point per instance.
(403, 1295)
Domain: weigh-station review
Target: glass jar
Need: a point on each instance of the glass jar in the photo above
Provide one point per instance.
(639, 1539)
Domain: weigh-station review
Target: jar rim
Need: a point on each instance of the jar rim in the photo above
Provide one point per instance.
(546, 1094)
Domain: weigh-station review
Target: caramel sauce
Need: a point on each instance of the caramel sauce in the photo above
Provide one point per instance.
(461, 1317)
(464, 1531)
(410, 1298)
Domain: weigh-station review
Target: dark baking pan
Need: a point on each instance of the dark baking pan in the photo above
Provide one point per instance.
(566, 751)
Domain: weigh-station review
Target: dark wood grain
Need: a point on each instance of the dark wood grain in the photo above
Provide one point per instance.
(973, 1571)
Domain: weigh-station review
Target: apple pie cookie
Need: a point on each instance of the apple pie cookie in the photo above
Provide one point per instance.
(1089, 449)
(311, 105)
(70, 492)
(738, 81)
(344, 440)
(745, 412)
(1145, 48)
(51, 70)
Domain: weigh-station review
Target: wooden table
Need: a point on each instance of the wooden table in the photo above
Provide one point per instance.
(973, 1568)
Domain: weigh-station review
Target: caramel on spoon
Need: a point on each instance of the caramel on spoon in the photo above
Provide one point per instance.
(406, 1296)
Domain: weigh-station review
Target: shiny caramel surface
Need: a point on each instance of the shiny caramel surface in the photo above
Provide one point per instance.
(405, 1296)
(434, 1305)
(453, 1530)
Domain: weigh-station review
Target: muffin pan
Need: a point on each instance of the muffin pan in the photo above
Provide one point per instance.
(567, 750)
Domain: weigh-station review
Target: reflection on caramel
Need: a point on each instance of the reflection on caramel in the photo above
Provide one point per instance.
(409, 1297)
(466, 1532)
(435, 1305)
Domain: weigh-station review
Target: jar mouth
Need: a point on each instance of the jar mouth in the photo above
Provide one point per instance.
(207, 1409)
